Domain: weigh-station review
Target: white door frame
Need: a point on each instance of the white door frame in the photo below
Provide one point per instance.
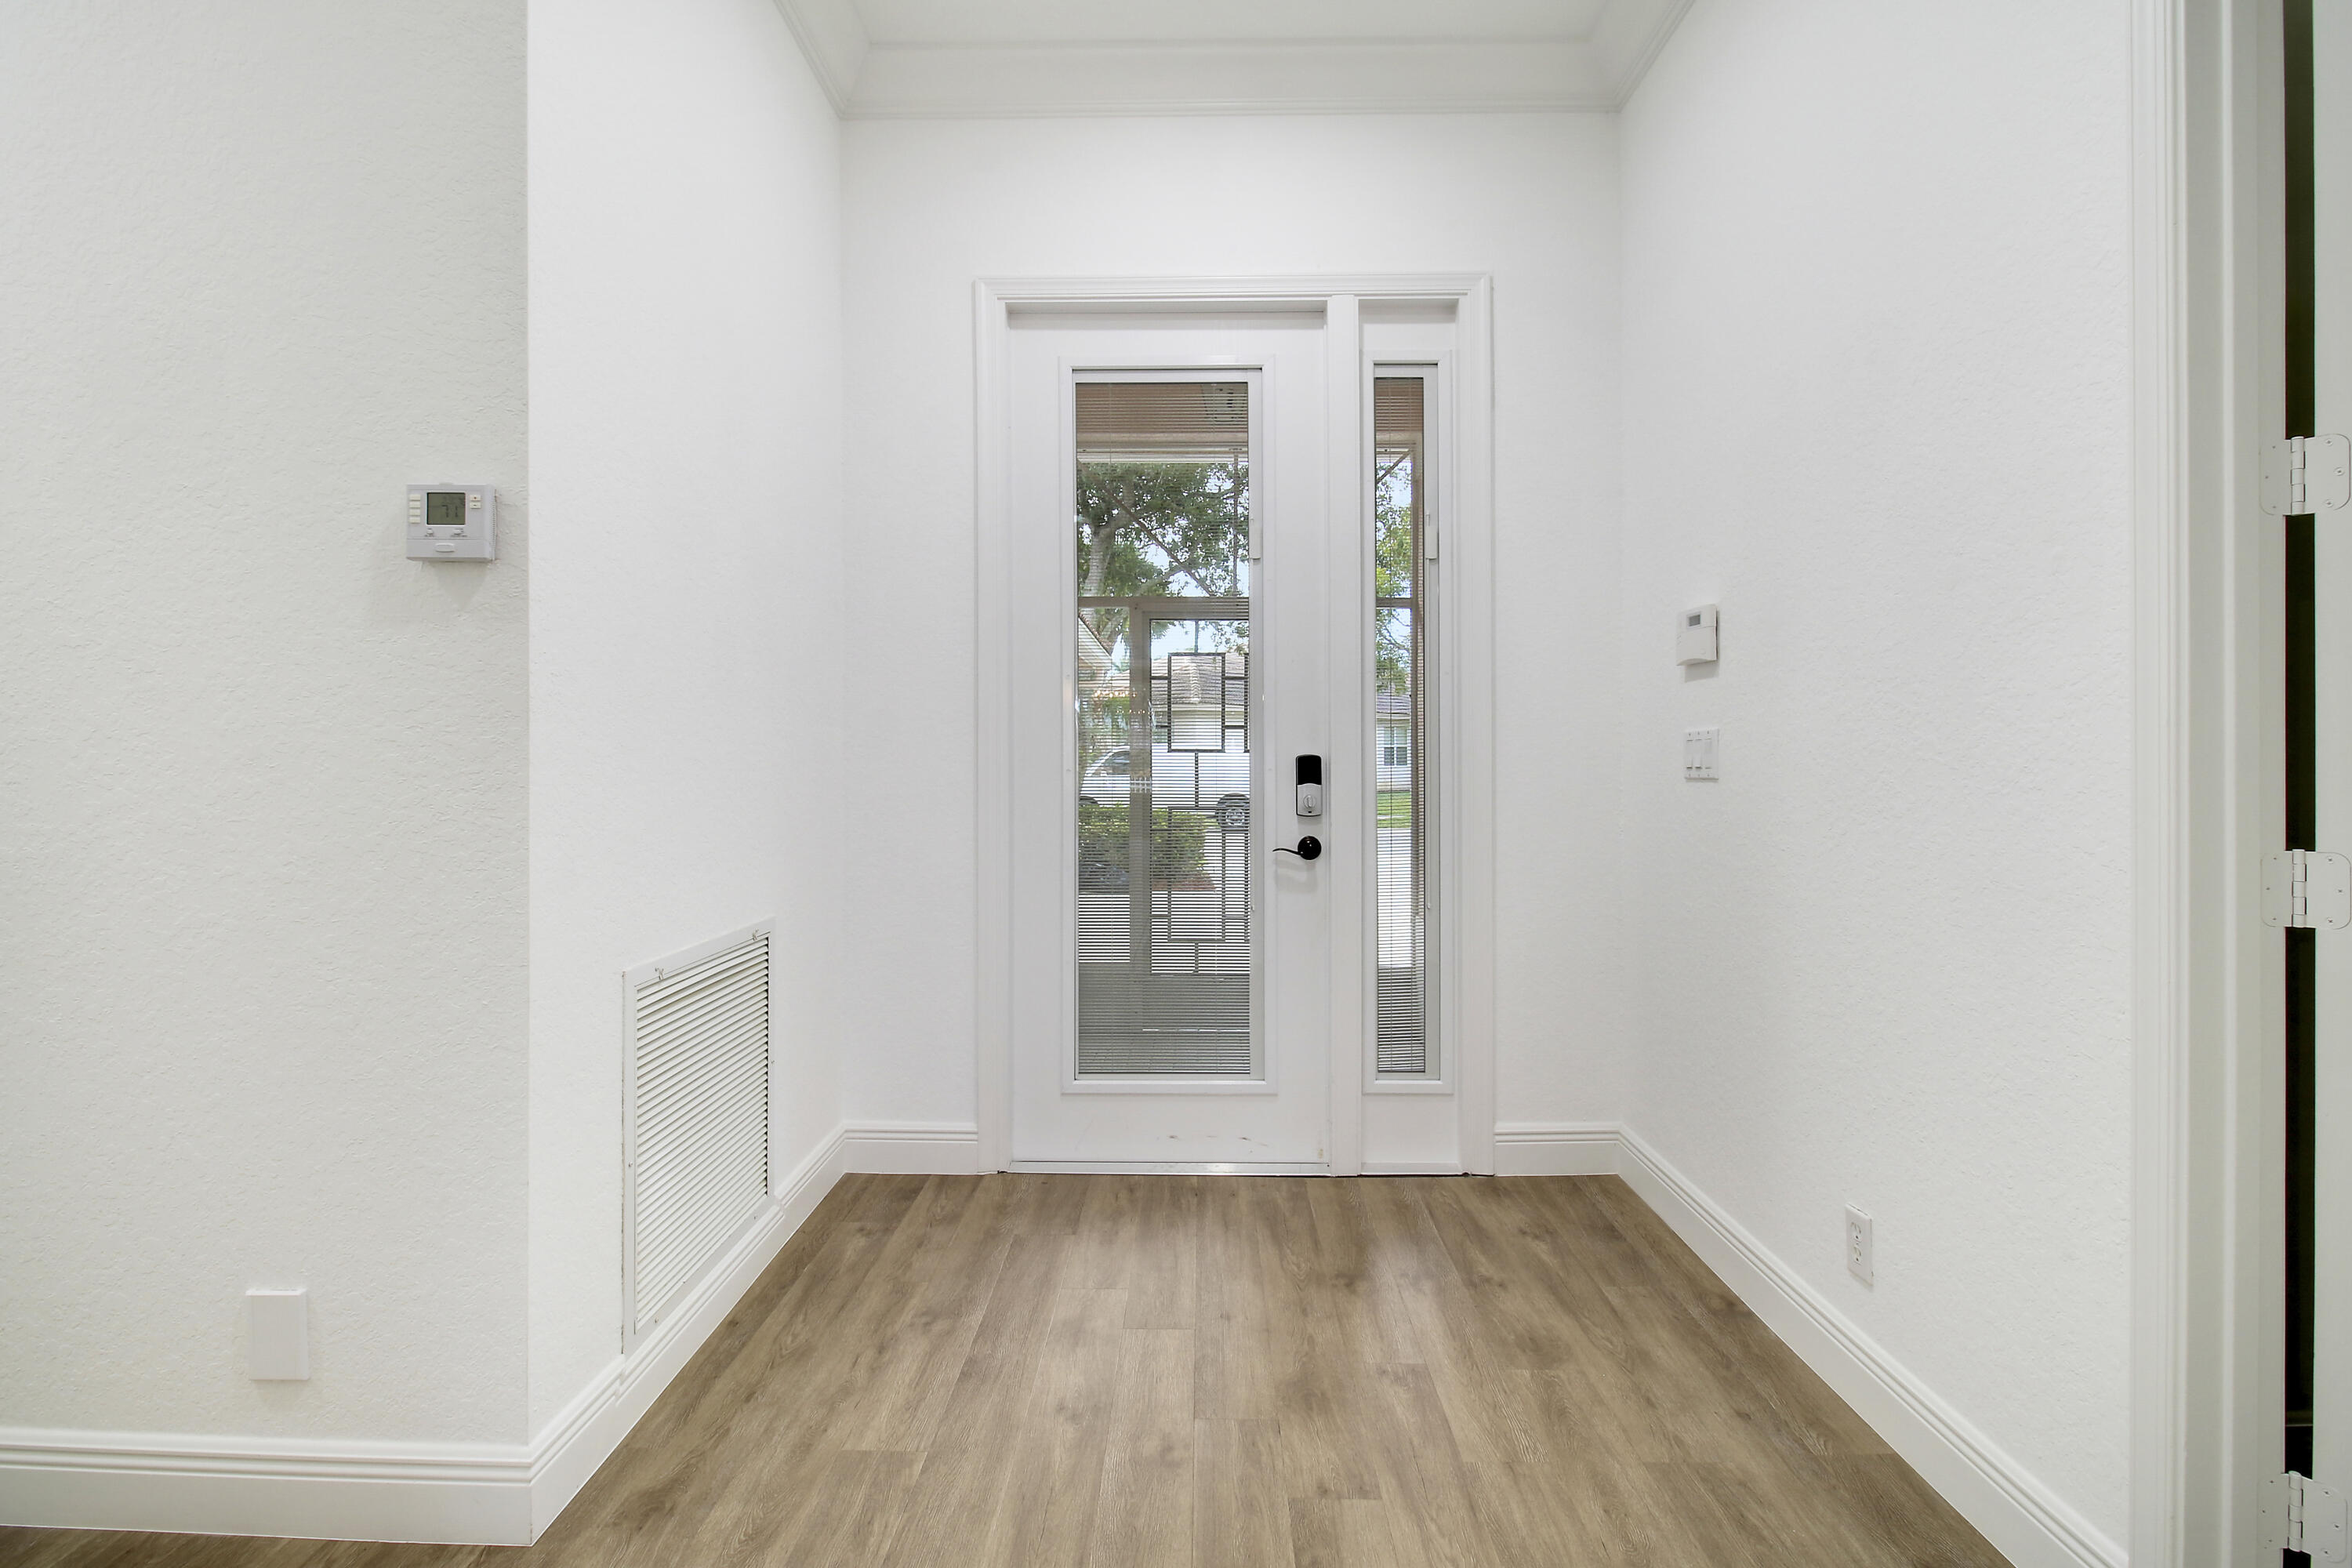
(2207, 1221)
(1466, 963)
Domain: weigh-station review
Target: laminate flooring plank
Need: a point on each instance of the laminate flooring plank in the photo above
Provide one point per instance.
(1048, 1203)
(357, 1555)
(1695, 1417)
(1523, 1519)
(1318, 1390)
(1489, 1402)
(752, 1478)
(1125, 1372)
(906, 1392)
(22, 1547)
(1315, 1532)
(1377, 1533)
(1163, 1254)
(1109, 1224)
(1914, 1526)
(1232, 1364)
(858, 1504)
(1724, 1512)
(1046, 1512)
(1143, 1517)
(1420, 1466)
(973, 1449)
(1241, 1518)
(1528, 1308)
(1363, 1303)
(1653, 1240)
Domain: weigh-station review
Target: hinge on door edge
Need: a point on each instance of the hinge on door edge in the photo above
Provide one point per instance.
(2307, 888)
(2307, 474)
(2301, 1515)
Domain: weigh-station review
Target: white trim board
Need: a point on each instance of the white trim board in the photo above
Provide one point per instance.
(463, 1493)
(865, 77)
(911, 1148)
(1556, 1149)
(2031, 1525)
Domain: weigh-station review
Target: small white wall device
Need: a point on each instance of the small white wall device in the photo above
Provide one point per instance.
(1695, 637)
(277, 1335)
(1310, 784)
(1701, 751)
(453, 522)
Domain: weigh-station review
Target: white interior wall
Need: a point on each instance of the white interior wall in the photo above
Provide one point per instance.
(262, 794)
(1877, 404)
(689, 641)
(932, 204)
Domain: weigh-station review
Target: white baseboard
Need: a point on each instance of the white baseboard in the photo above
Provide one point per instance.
(1556, 1149)
(474, 1494)
(911, 1148)
(2031, 1525)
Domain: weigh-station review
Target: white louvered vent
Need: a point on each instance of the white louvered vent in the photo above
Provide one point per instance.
(698, 1115)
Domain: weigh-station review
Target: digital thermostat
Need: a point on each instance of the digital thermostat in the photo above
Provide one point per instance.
(1695, 636)
(453, 522)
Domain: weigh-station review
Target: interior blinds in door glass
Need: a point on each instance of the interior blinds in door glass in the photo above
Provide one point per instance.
(1165, 959)
(1403, 1047)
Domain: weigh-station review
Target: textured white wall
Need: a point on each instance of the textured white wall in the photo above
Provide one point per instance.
(1876, 405)
(262, 792)
(930, 205)
(688, 638)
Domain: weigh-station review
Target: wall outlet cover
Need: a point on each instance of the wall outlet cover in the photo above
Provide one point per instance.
(277, 1335)
(1858, 1261)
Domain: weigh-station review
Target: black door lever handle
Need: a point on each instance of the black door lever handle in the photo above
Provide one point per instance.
(1309, 848)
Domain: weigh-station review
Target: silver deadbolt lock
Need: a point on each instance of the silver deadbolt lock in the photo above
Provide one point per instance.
(1309, 781)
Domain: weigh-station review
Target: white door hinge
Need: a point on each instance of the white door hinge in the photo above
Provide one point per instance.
(2307, 474)
(2307, 888)
(2301, 1515)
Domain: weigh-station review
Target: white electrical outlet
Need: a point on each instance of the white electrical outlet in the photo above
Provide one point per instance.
(1857, 1244)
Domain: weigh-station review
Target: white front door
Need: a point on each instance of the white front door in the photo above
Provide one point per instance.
(1175, 651)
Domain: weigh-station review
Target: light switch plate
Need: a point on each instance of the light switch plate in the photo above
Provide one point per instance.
(277, 1335)
(1702, 753)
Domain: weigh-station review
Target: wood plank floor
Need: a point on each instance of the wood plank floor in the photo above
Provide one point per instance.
(1128, 1371)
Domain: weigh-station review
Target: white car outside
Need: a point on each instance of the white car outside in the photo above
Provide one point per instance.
(1217, 782)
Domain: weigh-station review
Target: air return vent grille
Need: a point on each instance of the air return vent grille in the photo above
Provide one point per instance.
(698, 1115)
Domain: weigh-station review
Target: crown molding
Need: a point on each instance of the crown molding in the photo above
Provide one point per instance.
(1629, 38)
(935, 81)
(870, 80)
(833, 39)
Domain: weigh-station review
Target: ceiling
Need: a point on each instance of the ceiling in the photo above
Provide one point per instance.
(884, 58)
(1217, 21)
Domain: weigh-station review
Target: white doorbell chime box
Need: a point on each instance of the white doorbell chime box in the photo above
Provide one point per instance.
(453, 522)
(1695, 637)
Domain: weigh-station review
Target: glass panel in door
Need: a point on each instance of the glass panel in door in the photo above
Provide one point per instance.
(1403, 1047)
(1166, 949)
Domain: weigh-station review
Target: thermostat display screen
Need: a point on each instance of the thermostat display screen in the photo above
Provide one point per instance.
(444, 509)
